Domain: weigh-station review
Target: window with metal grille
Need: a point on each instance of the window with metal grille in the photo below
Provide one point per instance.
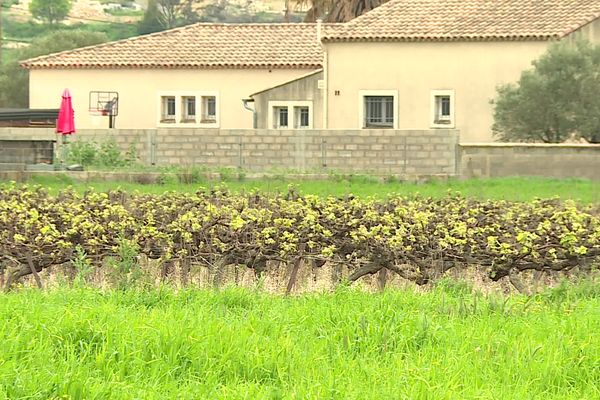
(379, 111)
(443, 112)
(302, 117)
(281, 117)
(189, 109)
(168, 108)
(209, 104)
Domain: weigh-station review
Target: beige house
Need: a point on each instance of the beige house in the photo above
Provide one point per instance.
(408, 64)
(426, 64)
(190, 77)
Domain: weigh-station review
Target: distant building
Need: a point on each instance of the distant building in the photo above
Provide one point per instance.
(194, 76)
(428, 64)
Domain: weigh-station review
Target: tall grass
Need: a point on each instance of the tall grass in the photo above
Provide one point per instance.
(241, 344)
(516, 189)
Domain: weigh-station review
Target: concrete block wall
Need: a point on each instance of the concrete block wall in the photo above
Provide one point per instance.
(434, 152)
(26, 145)
(492, 160)
(376, 151)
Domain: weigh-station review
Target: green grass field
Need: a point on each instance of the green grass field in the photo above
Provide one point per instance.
(241, 344)
(517, 189)
(447, 343)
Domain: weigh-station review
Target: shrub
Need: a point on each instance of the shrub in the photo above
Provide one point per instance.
(556, 100)
(104, 154)
(82, 152)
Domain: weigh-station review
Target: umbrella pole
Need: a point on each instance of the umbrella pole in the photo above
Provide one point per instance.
(61, 167)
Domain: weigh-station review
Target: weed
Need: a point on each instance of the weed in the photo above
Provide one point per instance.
(227, 174)
(109, 154)
(189, 175)
(392, 179)
(167, 179)
(104, 154)
(82, 152)
(83, 267)
(454, 287)
(125, 271)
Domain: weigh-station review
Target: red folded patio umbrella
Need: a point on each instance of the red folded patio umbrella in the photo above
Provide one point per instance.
(65, 123)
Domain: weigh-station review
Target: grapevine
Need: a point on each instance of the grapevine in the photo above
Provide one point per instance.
(415, 237)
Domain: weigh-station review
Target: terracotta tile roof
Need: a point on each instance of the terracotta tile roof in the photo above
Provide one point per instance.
(416, 20)
(200, 46)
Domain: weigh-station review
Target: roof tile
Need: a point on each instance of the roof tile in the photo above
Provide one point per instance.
(414, 20)
(296, 46)
(200, 46)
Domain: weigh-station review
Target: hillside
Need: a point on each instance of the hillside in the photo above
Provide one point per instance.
(119, 19)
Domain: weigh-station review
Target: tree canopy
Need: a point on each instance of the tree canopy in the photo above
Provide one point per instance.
(556, 100)
(50, 11)
(151, 22)
(14, 80)
(336, 10)
(167, 14)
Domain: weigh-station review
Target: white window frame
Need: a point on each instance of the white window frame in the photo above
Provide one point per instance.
(164, 106)
(179, 97)
(186, 117)
(277, 117)
(291, 113)
(361, 106)
(297, 110)
(433, 107)
(204, 117)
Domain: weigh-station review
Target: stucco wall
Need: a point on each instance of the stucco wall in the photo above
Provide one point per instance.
(138, 91)
(305, 89)
(472, 69)
(589, 31)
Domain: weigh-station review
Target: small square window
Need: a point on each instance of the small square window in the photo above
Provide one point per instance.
(209, 109)
(168, 109)
(189, 109)
(442, 114)
(301, 117)
(280, 118)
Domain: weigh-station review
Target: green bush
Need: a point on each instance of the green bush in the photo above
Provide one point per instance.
(110, 155)
(81, 152)
(103, 154)
(555, 101)
(9, 3)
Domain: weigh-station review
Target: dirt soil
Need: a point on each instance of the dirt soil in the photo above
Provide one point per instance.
(309, 279)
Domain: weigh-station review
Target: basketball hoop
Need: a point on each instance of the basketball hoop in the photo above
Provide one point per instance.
(104, 104)
(97, 113)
